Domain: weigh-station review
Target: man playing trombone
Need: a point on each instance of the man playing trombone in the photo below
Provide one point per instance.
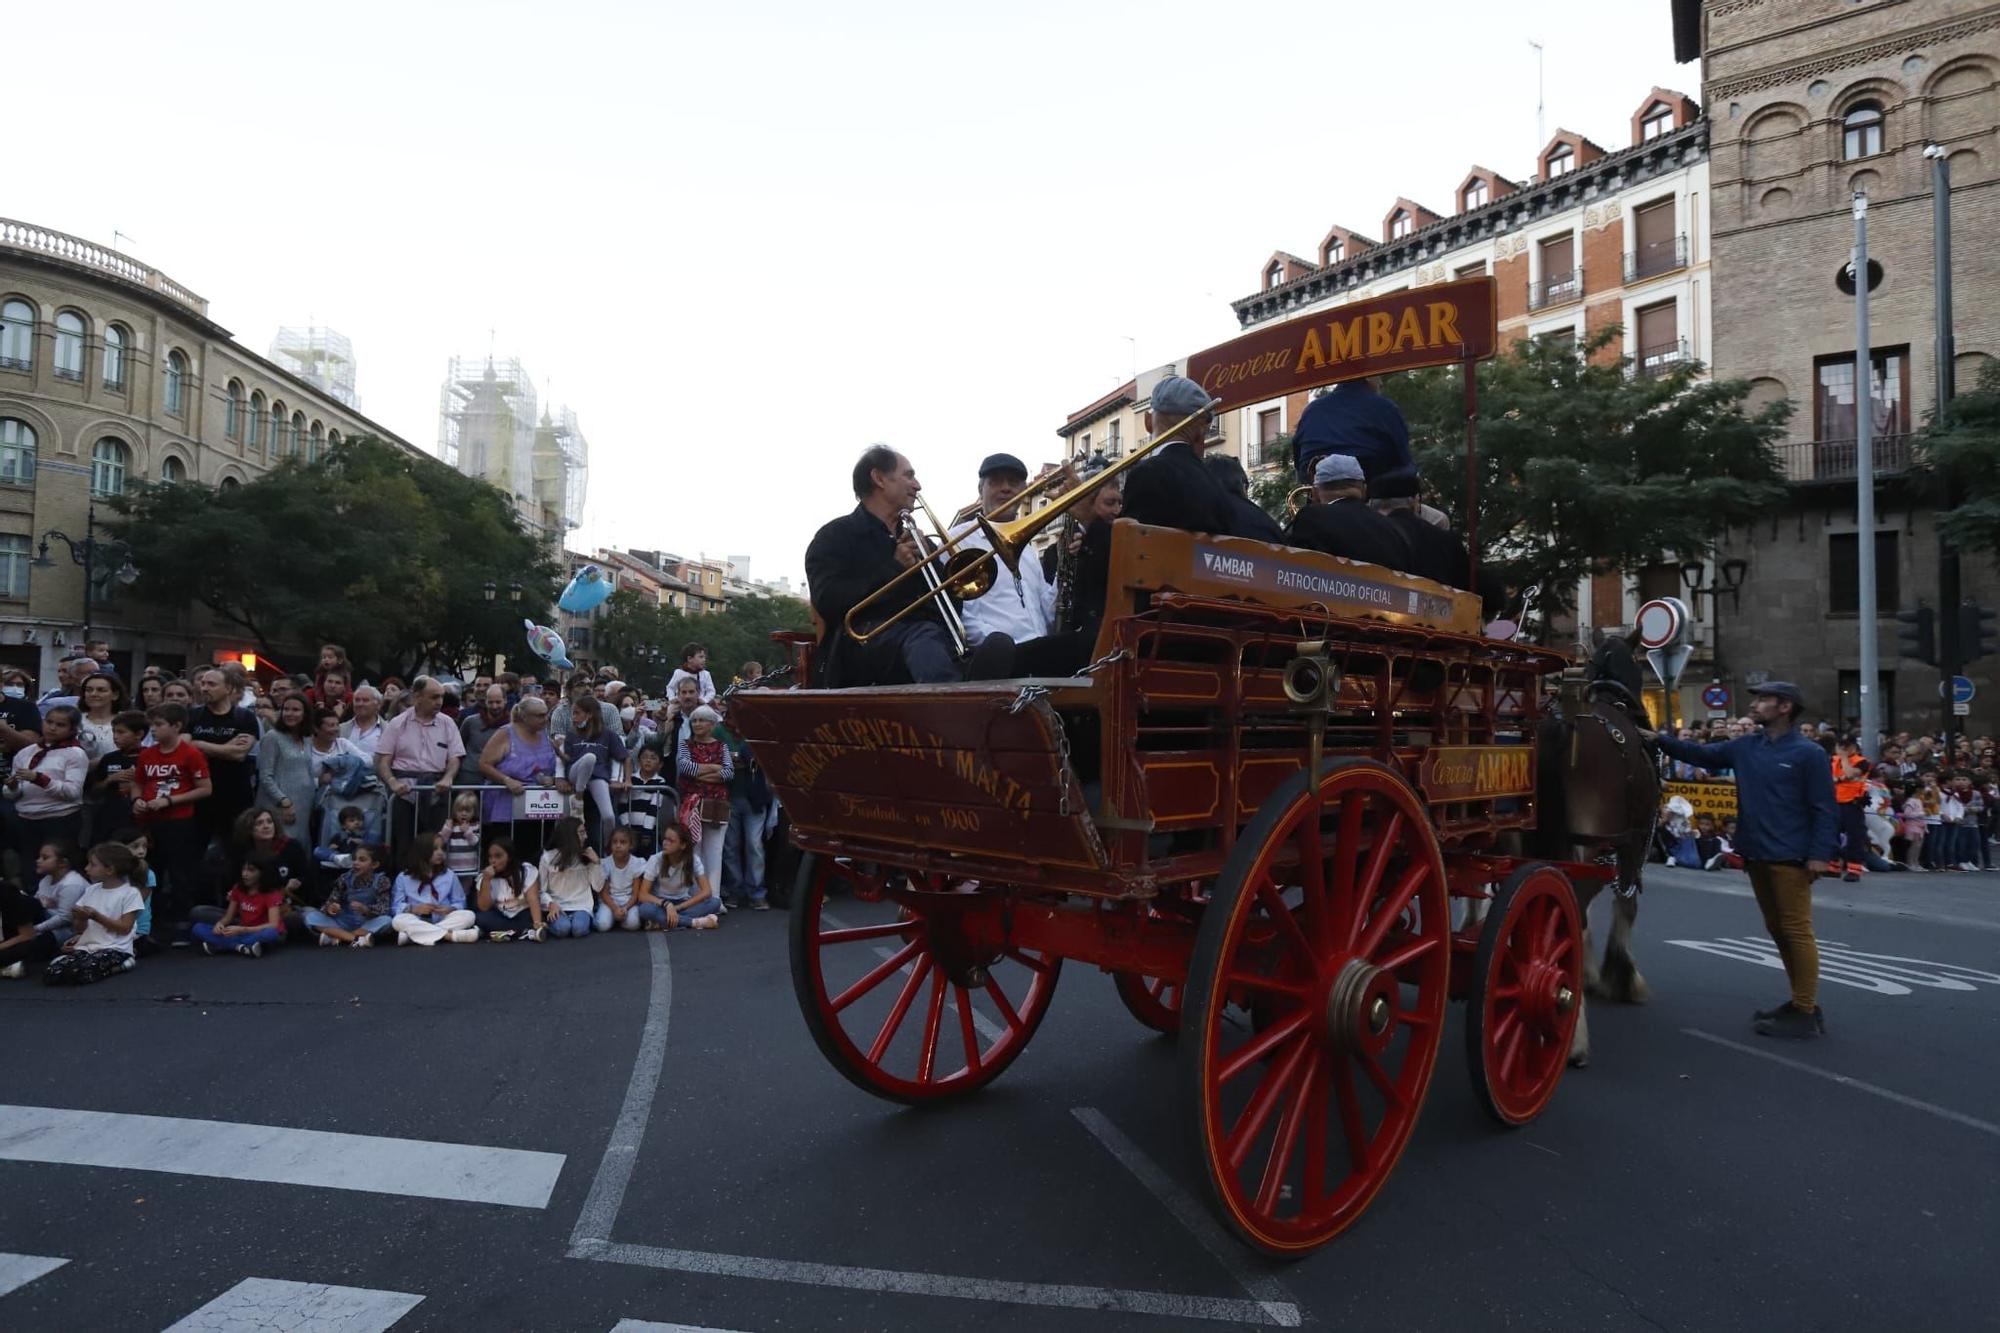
(1021, 605)
(856, 555)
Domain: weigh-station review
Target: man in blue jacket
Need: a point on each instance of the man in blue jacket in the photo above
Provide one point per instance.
(1786, 832)
(1353, 418)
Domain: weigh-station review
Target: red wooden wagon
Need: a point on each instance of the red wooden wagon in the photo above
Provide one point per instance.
(1157, 817)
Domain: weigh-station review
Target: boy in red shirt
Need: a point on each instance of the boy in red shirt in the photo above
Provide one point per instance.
(172, 776)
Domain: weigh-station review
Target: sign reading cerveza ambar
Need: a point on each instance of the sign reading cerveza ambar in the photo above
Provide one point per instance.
(1275, 574)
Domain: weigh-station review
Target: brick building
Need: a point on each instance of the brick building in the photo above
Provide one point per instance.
(1811, 101)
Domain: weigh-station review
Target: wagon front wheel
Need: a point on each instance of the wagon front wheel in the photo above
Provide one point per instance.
(1527, 991)
(899, 1002)
(1331, 921)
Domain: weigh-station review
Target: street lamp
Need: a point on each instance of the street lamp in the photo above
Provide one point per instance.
(1734, 571)
(87, 553)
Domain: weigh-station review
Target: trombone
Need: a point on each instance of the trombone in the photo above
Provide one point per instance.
(970, 572)
(1066, 475)
(954, 623)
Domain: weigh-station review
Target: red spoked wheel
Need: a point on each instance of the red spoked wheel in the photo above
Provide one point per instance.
(905, 1004)
(1331, 925)
(1527, 990)
(1154, 1001)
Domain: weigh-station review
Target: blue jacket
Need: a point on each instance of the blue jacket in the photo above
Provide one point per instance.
(1784, 793)
(1352, 419)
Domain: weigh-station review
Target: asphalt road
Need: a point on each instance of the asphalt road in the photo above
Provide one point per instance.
(638, 1132)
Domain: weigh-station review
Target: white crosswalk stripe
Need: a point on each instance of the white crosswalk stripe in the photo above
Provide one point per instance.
(259, 1303)
(646, 1326)
(18, 1270)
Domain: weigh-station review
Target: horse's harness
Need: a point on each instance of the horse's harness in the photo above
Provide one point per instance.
(1575, 705)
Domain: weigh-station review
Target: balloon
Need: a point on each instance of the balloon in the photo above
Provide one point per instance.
(548, 645)
(587, 590)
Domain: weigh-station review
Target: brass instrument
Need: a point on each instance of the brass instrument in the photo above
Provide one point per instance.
(1300, 497)
(970, 572)
(954, 623)
(1065, 474)
(1066, 557)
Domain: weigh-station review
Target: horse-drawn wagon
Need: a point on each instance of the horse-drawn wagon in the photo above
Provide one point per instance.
(1282, 806)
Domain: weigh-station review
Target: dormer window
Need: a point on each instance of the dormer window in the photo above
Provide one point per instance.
(1399, 224)
(1273, 276)
(1475, 195)
(1335, 252)
(1862, 131)
(1659, 120)
(1563, 159)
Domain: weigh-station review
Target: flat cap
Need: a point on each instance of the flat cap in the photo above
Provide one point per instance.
(1333, 469)
(1782, 689)
(1003, 463)
(1177, 396)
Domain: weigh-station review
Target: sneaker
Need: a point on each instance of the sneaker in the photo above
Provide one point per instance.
(501, 936)
(14, 971)
(125, 965)
(1792, 1024)
(464, 935)
(402, 937)
(207, 948)
(705, 922)
(1967, 865)
(538, 934)
(254, 949)
(327, 941)
(364, 941)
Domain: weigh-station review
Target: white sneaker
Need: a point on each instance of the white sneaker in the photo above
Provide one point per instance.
(327, 941)
(464, 935)
(364, 941)
(402, 937)
(14, 971)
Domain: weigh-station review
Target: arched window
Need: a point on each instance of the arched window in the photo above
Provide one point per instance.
(333, 439)
(108, 461)
(1861, 131)
(172, 469)
(115, 342)
(318, 443)
(1399, 224)
(69, 345)
(297, 436)
(277, 448)
(1659, 119)
(232, 414)
(17, 336)
(257, 419)
(177, 366)
(17, 452)
(1475, 195)
(1560, 161)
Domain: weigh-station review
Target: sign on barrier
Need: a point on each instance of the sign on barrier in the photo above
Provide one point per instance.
(1707, 798)
(543, 803)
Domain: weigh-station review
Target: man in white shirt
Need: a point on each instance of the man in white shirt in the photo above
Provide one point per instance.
(1020, 604)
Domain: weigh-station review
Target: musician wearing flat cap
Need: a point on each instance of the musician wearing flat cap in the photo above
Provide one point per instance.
(1021, 604)
(1170, 488)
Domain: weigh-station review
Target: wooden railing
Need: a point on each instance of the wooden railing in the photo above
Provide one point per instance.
(25, 236)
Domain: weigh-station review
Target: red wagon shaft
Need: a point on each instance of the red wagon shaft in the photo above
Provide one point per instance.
(1268, 808)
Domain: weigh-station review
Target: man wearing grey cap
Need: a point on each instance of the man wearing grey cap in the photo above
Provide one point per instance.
(1169, 487)
(1020, 604)
(1341, 523)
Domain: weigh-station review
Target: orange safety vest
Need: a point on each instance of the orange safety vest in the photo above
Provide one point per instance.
(1846, 789)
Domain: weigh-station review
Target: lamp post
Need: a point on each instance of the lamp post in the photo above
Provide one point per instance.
(1733, 572)
(87, 553)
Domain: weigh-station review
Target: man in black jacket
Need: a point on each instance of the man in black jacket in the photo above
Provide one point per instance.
(1235, 482)
(1170, 488)
(858, 553)
(1342, 523)
(1435, 553)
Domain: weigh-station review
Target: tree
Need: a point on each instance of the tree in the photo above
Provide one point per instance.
(1964, 444)
(644, 641)
(368, 547)
(1585, 467)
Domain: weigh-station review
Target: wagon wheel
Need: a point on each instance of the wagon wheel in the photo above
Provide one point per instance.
(899, 1007)
(1332, 917)
(1527, 988)
(1154, 1001)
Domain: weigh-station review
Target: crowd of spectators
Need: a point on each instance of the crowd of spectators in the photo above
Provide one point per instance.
(1925, 805)
(235, 814)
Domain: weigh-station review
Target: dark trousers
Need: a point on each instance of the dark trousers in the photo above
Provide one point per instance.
(32, 949)
(31, 834)
(1853, 831)
(422, 811)
(917, 649)
(174, 849)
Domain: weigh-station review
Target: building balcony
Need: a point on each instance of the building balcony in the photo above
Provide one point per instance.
(1558, 289)
(27, 238)
(1652, 260)
(1649, 363)
(1810, 462)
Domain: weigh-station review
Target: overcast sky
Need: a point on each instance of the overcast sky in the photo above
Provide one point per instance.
(745, 240)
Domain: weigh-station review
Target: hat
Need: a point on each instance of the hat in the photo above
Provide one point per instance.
(1332, 469)
(1002, 463)
(1782, 689)
(1177, 396)
(1400, 484)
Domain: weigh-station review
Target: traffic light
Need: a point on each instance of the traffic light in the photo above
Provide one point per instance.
(1917, 635)
(1975, 632)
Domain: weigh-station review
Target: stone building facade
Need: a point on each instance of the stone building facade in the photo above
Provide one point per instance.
(110, 372)
(1811, 101)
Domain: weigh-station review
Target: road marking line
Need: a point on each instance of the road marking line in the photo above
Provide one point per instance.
(1279, 1307)
(647, 1326)
(1162, 1304)
(987, 1027)
(298, 1307)
(1824, 904)
(1888, 1094)
(278, 1155)
(621, 1154)
(18, 1270)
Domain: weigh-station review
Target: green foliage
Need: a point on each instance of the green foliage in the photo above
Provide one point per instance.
(368, 547)
(1586, 468)
(644, 642)
(1965, 445)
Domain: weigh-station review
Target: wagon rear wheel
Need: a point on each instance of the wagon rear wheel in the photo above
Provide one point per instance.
(1527, 990)
(1154, 1001)
(896, 1001)
(1330, 918)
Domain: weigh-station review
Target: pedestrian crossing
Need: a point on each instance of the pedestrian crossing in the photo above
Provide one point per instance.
(258, 1303)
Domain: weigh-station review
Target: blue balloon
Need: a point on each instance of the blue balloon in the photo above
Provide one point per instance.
(587, 591)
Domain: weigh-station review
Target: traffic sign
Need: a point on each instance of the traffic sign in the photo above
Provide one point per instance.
(1962, 690)
(1662, 623)
(1716, 696)
(1961, 710)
